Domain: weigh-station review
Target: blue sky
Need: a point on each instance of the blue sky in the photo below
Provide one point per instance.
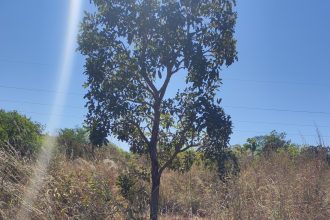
(284, 53)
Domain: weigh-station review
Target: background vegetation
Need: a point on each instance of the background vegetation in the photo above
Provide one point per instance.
(19, 131)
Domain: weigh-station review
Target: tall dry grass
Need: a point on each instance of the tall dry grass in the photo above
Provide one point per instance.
(278, 186)
(76, 189)
(274, 187)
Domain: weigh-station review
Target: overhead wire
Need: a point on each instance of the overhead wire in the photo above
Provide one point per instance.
(228, 106)
(278, 82)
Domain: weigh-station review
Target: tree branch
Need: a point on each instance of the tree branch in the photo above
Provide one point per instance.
(140, 132)
(152, 87)
(167, 163)
(145, 87)
(144, 72)
(179, 149)
(166, 82)
(138, 102)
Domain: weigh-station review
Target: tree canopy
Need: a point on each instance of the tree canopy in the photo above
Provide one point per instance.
(268, 143)
(73, 142)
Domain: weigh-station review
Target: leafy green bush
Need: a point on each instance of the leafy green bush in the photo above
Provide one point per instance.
(133, 186)
(74, 143)
(185, 160)
(20, 132)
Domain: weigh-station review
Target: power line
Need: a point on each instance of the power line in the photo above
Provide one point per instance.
(240, 121)
(278, 82)
(277, 110)
(286, 124)
(2, 60)
(226, 106)
(23, 62)
(242, 131)
(39, 90)
(290, 134)
(240, 107)
(317, 84)
(38, 103)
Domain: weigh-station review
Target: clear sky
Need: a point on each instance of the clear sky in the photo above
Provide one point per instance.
(280, 82)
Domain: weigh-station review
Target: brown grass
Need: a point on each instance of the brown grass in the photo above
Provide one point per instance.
(276, 187)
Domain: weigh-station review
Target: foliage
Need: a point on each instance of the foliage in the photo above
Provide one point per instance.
(227, 164)
(268, 143)
(133, 185)
(82, 194)
(135, 194)
(292, 150)
(20, 132)
(133, 49)
(319, 151)
(185, 160)
(74, 142)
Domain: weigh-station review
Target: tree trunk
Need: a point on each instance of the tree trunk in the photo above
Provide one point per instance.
(154, 200)
(155, 174)
(155, 181)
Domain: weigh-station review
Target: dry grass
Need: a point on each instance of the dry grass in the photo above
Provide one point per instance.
(73, 189)
(277, 187)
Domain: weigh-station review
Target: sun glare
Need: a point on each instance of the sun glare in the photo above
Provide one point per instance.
(63, 81)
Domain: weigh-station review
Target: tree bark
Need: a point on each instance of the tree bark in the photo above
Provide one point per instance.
(154, 199)
(155, 174)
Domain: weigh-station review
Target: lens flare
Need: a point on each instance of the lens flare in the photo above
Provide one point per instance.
(40, 169)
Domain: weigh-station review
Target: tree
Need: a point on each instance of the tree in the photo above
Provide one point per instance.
(20, 132)
(268, 143)
(133, 50)
(73, 142)
(252, 144)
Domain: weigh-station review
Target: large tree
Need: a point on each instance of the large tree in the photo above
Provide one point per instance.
(133, 49)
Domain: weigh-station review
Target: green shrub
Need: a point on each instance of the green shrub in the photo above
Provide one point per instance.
(184, 161)
(20, 132)
(133, 186)
(74, 143)
(266, 144)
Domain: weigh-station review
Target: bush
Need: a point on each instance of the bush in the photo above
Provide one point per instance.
(80, 189)
(20, 132)
(185, 160)
(133, 186)
(267, 144)
(320, 152)
(74, 143)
